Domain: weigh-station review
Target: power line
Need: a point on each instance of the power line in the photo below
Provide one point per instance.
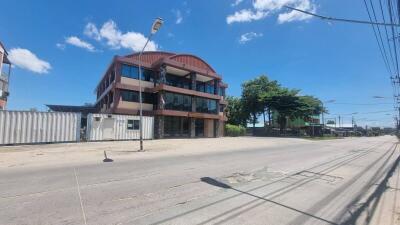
(378, 40)
(349, 103)
(341, 19)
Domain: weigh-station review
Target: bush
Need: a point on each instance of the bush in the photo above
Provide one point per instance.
(234, 131)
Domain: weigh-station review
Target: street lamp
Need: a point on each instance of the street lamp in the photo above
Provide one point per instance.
(154, 28)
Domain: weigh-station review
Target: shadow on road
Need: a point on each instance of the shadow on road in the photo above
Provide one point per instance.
(373, 200)
(217, 183)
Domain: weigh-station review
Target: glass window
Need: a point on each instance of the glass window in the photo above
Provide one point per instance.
(133, 125)
(221, 91)
(177, 81)
(148, 75)
(126, 71)
(133, 72)
(176, 126)
(133, 96)
(178, 102)
(130, 125)
(130, 96)
(205, 105)
(200, 86)
(210, 88)
(136, 124)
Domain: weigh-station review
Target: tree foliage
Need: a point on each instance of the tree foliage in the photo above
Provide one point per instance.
(264, 96)
(235, 112)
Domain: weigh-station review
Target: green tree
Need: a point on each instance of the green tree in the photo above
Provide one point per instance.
(235, 112)
(310, 106)
(287, 106)
(251, 98)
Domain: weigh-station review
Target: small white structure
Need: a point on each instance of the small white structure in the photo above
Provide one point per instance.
(117, 127)
(25, 127)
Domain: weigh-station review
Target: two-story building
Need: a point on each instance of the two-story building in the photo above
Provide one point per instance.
(4, 76)
(183, 93)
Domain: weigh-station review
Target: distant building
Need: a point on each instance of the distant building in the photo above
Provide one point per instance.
(183, 93)
(4, 76)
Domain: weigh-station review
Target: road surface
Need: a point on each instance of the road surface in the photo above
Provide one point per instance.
(347, 181)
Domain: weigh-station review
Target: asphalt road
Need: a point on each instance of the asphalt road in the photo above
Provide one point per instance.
(350, 181)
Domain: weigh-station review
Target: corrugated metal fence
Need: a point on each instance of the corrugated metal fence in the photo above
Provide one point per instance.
(23, 127)
(118, 127)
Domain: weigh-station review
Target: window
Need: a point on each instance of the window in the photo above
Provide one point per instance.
(133, 125)
(177, 81)
(148, 75)
(130, 96)
(205, 105)
(133, 72)
(129, 71)
(176, 126)
(178, 102)
(222, 91)
(133, 96)
(136, 124)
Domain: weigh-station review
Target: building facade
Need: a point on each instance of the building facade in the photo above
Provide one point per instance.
(4, 76)
(184, 93)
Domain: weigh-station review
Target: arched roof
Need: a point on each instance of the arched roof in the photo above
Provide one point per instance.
(152, 57)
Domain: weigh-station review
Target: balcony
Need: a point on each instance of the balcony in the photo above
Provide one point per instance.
(4, 77)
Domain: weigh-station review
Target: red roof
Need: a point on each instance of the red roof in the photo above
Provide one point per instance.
(154, 57)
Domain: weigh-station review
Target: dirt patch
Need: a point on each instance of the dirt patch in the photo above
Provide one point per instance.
(264, 174)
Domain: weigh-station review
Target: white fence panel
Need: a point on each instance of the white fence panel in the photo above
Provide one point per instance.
(24, 127)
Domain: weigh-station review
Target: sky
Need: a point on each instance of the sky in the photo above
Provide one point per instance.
(61, 49)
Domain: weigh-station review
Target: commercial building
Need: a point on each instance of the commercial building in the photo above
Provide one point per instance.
(184, 93)
(4, 76)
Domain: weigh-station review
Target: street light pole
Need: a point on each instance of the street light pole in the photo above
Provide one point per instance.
(155, 27)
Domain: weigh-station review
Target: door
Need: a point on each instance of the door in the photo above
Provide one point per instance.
(108, 128)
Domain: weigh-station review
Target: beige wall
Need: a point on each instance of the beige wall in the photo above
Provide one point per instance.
(208, 128)
(134, 105)
(134, 82)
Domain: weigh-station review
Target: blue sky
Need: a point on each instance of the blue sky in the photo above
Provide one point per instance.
(338, 61)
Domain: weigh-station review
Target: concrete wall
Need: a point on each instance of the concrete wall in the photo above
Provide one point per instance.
(134, 82)
(134, 105)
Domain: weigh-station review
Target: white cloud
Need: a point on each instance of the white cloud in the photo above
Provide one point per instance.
(245, 15)
(262, 8)
(178, 16)
(75, 41)
(296, 15)
(25, 59)
(136, 41)
(92, 31)
(249, 36)
(115, 39)
(60, 46)
(236, 3)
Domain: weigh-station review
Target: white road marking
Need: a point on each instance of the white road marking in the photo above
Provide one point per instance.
(80, 197)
